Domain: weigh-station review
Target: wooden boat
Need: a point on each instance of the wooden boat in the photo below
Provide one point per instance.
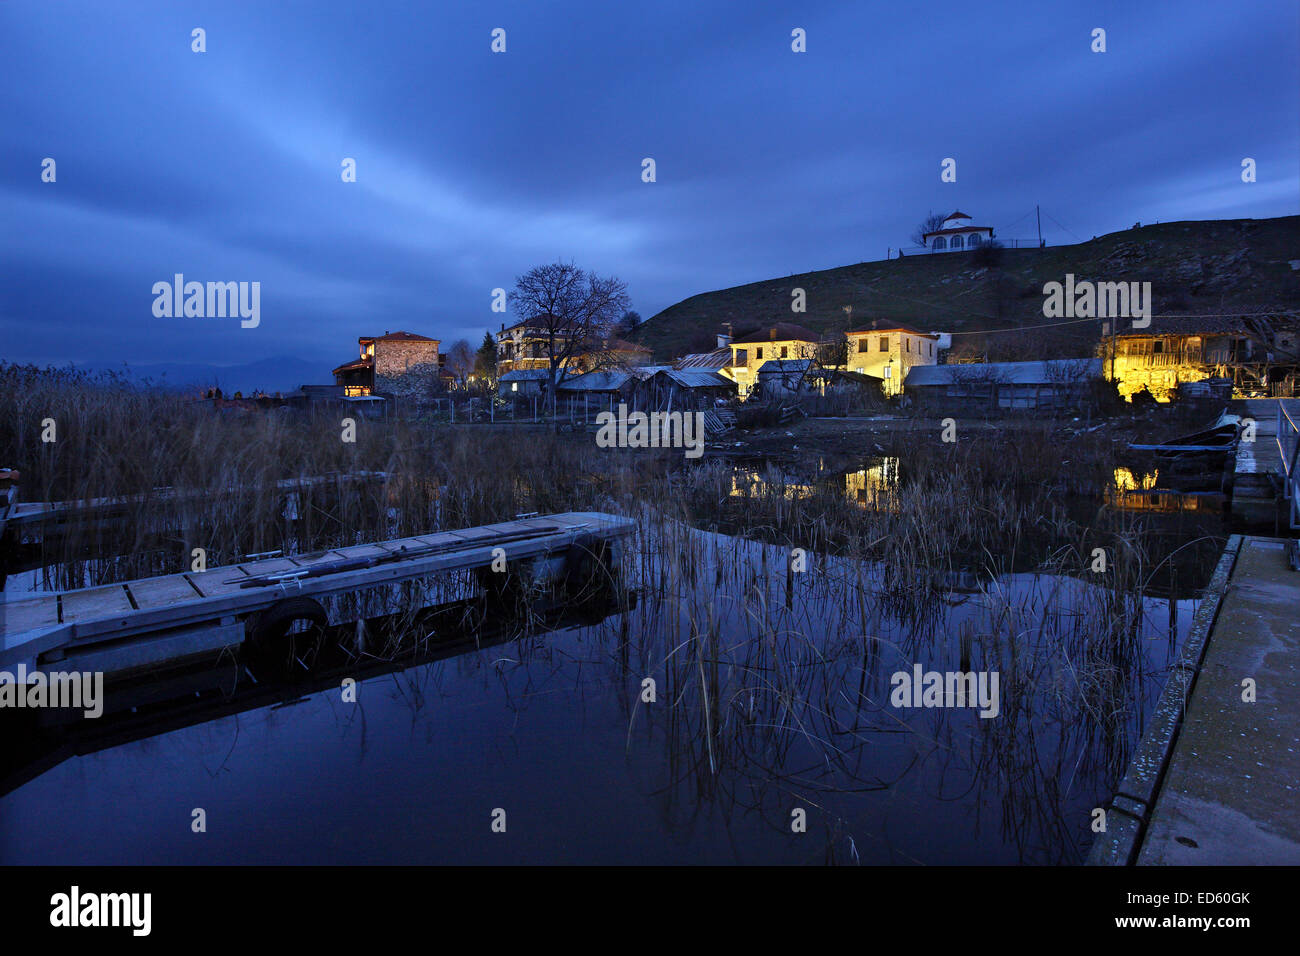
(1201, 448)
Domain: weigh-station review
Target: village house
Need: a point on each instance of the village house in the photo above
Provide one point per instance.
(528, 346)
(395, 364)
(889, 353)
(783, 340)
(682, 389)
(804, 378)
(1253, 354)
(523, 383)
(1003, 386)
(957, 233)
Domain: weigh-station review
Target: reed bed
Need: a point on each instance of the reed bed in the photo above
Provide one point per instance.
(773, 683)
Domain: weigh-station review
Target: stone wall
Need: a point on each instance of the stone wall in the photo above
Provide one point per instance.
(406, 369)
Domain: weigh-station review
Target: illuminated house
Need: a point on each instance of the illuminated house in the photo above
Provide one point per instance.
(783, 340)
(890, 353)
(1174, 350)
(527, 346)
(396, 363)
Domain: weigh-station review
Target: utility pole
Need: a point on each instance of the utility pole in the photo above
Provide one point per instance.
(1039, 216)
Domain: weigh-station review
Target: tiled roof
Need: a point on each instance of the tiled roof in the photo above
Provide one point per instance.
(398, 337)
(868, 330)
(944, 232)
(1184, 325)
(785, 332)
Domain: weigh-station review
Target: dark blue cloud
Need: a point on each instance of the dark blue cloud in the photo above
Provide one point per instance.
(473, 167)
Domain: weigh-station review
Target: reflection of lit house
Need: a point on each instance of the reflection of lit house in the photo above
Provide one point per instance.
(1174, 350)
(395, 363)
(1055, 383)
(889, 353)
(875, 487)
(784, 340)
(1141, 492)
(956, 233)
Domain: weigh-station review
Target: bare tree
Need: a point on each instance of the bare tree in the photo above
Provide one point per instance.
(460, 360)
(930, 223)
(573, 311)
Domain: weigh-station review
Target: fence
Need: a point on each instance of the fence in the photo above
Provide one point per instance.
(569, 408)
(904, 251)
(1288, 444)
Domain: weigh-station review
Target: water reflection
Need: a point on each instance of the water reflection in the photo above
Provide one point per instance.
(771, 694)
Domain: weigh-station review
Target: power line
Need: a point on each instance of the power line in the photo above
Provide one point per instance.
(1070, 231)
(1198, 315)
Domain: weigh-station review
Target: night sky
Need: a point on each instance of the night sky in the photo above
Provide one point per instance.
(474, 166)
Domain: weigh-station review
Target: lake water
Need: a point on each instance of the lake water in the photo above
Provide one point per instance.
(773, 697)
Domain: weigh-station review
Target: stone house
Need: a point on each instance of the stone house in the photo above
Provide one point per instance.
(395, 364)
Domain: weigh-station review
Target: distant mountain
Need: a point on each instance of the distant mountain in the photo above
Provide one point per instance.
(1206, 267)
(269, 375)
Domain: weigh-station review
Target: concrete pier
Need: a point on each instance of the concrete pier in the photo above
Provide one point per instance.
(1216, 779)
(1259, 472)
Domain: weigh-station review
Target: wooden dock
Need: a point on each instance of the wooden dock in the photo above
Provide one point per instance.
(1265, 470)
(147, 622)
(1216, 778)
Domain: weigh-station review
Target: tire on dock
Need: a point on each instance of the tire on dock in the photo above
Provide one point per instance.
(268, 632)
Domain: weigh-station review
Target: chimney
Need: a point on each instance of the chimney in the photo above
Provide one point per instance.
(773, 333)
(724, 339)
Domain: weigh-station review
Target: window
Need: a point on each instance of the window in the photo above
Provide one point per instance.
(956, 242)
(884, 343)
(932, 348)
(940, 243)
(742, 357)
(758, 353)
(864, 344)
(974, 239)
(785, 350)
(907, 344)
(1158, 346)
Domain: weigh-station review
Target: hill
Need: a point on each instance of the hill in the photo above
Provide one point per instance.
(1196, 268)
(282, 374)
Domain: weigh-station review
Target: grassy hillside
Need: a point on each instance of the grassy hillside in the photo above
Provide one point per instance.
(1214, 266)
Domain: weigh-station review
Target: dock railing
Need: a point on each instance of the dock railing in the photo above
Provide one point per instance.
(1288, 445)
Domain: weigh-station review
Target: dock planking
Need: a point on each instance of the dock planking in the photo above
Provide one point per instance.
(148, 606)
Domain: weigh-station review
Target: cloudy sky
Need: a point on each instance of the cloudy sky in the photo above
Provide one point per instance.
(473, 166)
